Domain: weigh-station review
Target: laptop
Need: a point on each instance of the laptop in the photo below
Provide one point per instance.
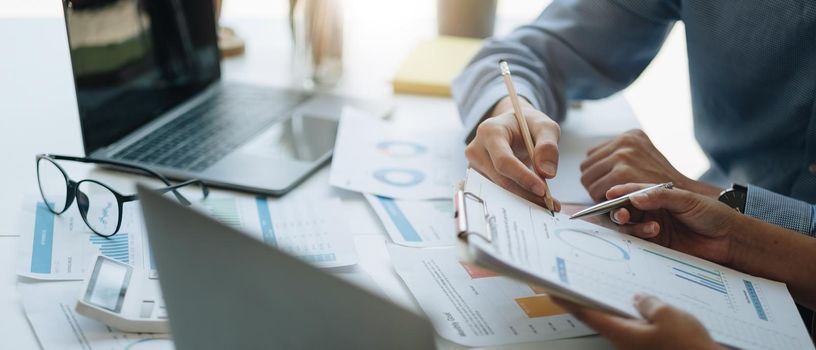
(148, 88)
(235, 292)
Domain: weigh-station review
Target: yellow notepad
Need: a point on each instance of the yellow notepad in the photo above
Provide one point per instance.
(431, 67)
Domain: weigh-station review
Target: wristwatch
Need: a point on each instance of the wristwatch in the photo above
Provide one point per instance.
(735, 197)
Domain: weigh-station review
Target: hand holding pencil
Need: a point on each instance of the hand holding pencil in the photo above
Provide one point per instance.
(501, 151)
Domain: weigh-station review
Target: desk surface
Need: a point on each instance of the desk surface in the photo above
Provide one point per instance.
(39, 115)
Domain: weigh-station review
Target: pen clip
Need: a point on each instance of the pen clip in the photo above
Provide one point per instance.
(462, 202)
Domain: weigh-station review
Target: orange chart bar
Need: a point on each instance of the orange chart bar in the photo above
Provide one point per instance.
(476, 272)
(539, 306)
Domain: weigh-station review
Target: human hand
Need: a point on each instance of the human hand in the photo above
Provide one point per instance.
(681, 220)
(631, 157)
(663, 326)
(499, 153)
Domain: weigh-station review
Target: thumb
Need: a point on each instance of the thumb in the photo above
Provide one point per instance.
(674, 200)
(653, 309)
(545, 136)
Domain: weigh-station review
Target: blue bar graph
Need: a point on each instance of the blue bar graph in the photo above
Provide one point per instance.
(562, 269)
(701, 279)
(752, 294)
(403, 225)
(114, 247)
(43, 240)
(317, 258)
(265, 218)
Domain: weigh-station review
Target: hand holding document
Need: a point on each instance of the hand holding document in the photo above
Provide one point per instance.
(375, 157)
(604, 269)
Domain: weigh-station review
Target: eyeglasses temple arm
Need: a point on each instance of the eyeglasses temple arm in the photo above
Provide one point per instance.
(126, 165)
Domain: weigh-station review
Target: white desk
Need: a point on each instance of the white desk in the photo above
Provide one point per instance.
(38, 114)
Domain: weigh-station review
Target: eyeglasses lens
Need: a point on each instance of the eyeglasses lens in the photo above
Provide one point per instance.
(53, 185)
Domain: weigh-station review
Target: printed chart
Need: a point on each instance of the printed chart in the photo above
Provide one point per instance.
(404, 164)
(62, 247)
(473, 306)
(314, 232)
(416, 223)
(610, 267)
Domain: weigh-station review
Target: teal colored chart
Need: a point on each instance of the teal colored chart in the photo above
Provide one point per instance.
(592, 244)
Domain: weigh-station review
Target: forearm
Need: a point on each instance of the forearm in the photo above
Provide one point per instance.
(576, 49)
(772, 252)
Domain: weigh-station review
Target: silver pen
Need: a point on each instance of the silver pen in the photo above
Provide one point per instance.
(612, 204)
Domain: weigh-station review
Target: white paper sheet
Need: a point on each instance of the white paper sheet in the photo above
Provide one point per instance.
(609, 267)
(476, 307)
(49, 307)
(373, 156)
(313, 230)
(61, 247)
(416, 223)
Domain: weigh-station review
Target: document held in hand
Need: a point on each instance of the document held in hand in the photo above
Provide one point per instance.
(604, 269)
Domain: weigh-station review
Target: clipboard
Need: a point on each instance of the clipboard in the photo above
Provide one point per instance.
(474, 220)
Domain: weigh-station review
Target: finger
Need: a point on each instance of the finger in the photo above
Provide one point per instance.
(599, 152)
(616, 329)
(508, 165)
(673, 200)
(597, 189)
(493, 175)
(591, 173)
(624, 189)
(620, 216)
(653, 309)
(595, 148)
(546, 134)
(646, 230)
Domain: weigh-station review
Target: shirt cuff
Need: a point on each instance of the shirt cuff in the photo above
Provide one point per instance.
(489, 98)
(780, 210)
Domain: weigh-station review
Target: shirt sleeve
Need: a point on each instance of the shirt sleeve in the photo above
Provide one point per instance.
(780, 210)
(575, 50)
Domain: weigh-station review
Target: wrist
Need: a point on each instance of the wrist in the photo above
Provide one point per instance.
(505, 105)
(698, 187)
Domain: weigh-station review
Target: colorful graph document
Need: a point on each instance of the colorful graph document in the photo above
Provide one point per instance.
(607, 268)
(313, 230)
(472, 306)
(62, 247)
(49, 307)
(372, 156)
(415, 223)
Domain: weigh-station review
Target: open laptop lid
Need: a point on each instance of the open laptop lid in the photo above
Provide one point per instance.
(227, 290)
(136, 59)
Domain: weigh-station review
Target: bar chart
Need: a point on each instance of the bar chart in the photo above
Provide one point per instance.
(115, 247)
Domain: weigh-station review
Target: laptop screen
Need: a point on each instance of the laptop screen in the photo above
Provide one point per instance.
(135, 59)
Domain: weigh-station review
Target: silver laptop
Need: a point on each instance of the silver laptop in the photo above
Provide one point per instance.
(226, 290)
(147, 77)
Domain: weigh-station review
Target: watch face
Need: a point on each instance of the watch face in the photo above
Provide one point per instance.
(735, 199)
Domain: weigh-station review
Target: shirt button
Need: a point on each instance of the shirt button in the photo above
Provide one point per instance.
(812, 168)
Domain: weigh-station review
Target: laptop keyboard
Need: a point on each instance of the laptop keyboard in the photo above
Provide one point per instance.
(208, 132)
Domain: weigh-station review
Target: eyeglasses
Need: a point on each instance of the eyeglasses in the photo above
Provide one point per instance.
(99, 205)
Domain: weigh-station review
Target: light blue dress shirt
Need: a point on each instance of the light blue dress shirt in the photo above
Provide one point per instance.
(752, 66)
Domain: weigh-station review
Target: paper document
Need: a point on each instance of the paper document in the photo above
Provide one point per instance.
(610, 268)
(312, 230)
(49, 307)
(473, 306)
(416, 223)
(62, 247)
(372, 156)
